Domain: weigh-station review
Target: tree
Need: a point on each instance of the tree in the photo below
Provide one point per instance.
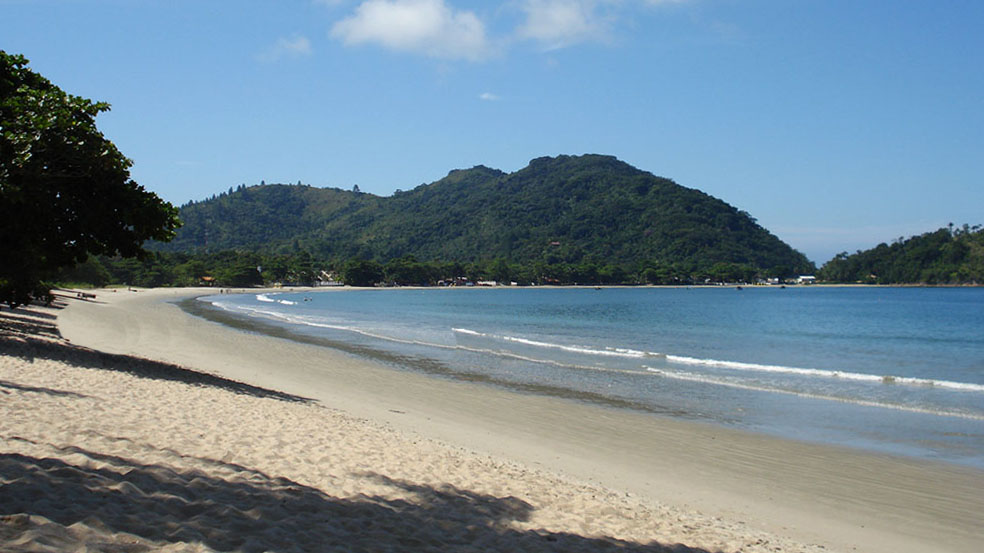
(945, 256)
(91, 272)
(302, 269)
(65, 190)
(242, 274)
(361, 272)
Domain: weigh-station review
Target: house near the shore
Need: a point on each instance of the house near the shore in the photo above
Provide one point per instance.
(806, 279)
(325, 278)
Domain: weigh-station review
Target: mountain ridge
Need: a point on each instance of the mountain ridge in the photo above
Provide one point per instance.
(564, 209)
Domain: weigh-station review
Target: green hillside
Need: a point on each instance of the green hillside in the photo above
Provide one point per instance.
(584, 209)
(946, 256)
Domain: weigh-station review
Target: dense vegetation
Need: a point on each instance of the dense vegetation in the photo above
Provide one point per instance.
(946, 256)
(65, 190)
(588, 219)
(230, 268)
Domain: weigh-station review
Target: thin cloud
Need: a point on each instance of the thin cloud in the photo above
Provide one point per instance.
(727, 32)
(488, 97)
(561, 23)
(557, 24)
(428, 27)
(293, 47)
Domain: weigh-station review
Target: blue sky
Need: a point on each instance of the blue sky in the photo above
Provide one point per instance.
(837, 124)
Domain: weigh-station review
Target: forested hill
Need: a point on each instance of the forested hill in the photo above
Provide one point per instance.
(566, 209)
(946, 256)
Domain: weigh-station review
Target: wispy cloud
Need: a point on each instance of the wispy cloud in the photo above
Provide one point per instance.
(560, 23)
(488, 97)
(295, 46)
(436, 28)
(428, 27)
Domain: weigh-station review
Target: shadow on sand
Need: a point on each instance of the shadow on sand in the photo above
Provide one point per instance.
(25, 334)
(113, 503)
(253, 512)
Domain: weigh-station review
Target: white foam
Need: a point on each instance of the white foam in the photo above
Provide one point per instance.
(737, 365)
(824, 373)
(707, 379)
(704, 379)
(588, 350)
(629, 354)
(267, 299)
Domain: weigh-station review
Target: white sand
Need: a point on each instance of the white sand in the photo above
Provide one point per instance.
(103, 450)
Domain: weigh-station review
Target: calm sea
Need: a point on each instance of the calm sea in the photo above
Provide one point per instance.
(898, 370)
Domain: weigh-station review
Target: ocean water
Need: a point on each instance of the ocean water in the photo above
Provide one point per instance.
(896, 370)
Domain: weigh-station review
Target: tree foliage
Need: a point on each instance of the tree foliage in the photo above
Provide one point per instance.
(946, 256)
(576, 211)
(240, 269)
(362, 272)
(65, 190)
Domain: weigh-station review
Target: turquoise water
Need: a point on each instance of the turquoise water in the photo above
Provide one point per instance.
(898, 370)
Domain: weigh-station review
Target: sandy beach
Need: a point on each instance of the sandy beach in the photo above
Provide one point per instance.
(129, 425)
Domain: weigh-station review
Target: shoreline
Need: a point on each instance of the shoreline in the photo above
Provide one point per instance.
(855, 429)
(838, 498)
(435, 370)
